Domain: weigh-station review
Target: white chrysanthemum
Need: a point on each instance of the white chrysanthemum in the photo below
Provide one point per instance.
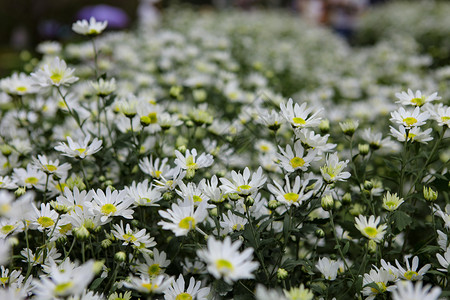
(262, 293)
(44, 218)
(78, 198)
(328, 268)
(110, 204)
(296, 160)
(298, 293)
(225, 261)
(18, 84)
(332, 170)
(178, 291)
(130, 236)
(444, 260)
(154, 168)
(391, 201)
(154, 265)
(54, 74)
(369, 228)
(91, 28)
(415, 134)
(144, 194)
(291, 196)
(409, 119)
(375, 139)
(299, 116)
(416, 99)
(149, 285)
(30, 177)
(231, 222)
(79, 149)
(51, 167)
(410, 272)
(64, 283)
(314, 141)
(445, 215)
(211, 189)
(103, 87)
(381, 278)
(191, 162)
(5, 249)
(407, 290)
(441, 114)
(182, 217)
(240, 183)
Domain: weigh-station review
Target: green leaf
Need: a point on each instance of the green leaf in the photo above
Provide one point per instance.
(96, 283)
(346, 247)
(286, 227)
(402, 220)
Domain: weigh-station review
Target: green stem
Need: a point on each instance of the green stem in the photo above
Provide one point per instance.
(70, 110)
(338, 244)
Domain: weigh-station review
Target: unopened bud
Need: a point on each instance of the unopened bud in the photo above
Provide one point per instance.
(347, 198)
(363, 149)
(320, 233)
(81, 233)
(372, 245)
(106, 243)
(349, 127)
(282, 274)
(327, 202)
(273, 204)
(120, 256)
(324, 126)
(429, 194)
(368, 185)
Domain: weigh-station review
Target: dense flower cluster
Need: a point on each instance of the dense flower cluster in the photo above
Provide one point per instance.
(203, 161)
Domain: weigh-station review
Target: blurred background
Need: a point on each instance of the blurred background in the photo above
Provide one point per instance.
(26, 23)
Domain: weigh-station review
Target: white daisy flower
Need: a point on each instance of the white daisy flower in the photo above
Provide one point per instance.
(211, 189)
(154, 168)
(272, 120)
(91, 28)
(416, 99)
(130, 236)
(231, 222)
(442, 240)
(149, 285)
(445, 215)
(391, 201)
(369, 228)
(314, 141)
(193, 193)
(18, 84)
(38, 258)
(415, 134)
(381, 278)
(111, 204)
(178, 291)
(262, 293)
(411, 273)
(240, 183)
(291, 196)
(182, 217)
(332, 170)
(29, 178)
(190, 162)
(300, 292)
(409, 118)
(408, 290)
(441, 114)
(296, 160)
(44, 218)
(444, 260)
(225, 261)
(103, 87)
(328, 268)
(51, 167)
(144, 194)
(154, 265)
(375, 139)
(5, 249)
(299, 116)
(9, 226)
(76, 198)
(64, 283)
(54, 74)
(79, 149)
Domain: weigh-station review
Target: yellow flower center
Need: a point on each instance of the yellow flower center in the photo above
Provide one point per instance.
(264, 148)
(410, 274)
(153, 118)
(3, 280)
(291, 197)
(297, 162)
(156, 174)
(154, 269)
(371, 231)
(197, 198)
(149, 286)
(21, 89)
(61, 289)
(445, 119)
(391, 204)
(129, 237)
(45, 221)
(238, 227)
(81, 150)
(31, 180)
(299, 121)
(63, 229)
(50, 168)
(411, 136)
(7, 229)
(243, 187)
(381, 288)
(56, 77)
(224, 265)
(183, 296)
(410, 121)
(190, 164)
(418, 101)
(108, 209)
(187, 223)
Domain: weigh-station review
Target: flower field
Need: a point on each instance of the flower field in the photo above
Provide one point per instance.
(226, 156)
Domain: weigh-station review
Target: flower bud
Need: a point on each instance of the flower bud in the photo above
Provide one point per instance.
(372, 245)
(327, 202)
(363, 149)
(81, 233)
(249, 201)
(429, 194)
(273, 204)
(324, 126)
(368, 185)
(106, 243)
(98, 266)
(120, 256)
(349, 127)
(20, 191)
(320, 233)
(282, 274)
(347, 198)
